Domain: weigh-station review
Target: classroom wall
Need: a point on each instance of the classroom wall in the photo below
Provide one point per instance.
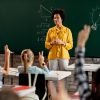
(17, 61)
(24, 23)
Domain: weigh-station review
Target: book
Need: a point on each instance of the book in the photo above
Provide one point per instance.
(24, 90)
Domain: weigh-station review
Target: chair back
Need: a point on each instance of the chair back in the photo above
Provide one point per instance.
(30, 79)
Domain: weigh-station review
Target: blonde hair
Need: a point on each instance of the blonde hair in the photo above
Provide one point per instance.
(30, 58)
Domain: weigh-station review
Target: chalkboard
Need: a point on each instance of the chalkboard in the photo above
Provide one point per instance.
(24, 23)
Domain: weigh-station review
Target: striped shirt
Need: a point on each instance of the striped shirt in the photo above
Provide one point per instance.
(80, 75)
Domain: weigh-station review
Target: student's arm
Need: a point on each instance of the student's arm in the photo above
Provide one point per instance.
(80, 75)
(58, 94)
(7, 60)
(43, 68)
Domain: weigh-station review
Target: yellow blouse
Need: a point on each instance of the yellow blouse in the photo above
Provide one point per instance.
(59, 51)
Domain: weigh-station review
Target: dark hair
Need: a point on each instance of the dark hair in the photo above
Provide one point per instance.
(60, 12)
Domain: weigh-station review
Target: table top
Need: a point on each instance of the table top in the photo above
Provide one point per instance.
(86, 67)
(57, 75)
(53, 75)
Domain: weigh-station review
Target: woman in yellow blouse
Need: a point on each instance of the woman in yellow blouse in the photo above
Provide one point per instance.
(58, 40)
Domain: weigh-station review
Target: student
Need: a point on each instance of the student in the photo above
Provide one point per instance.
(7, 60)
(27, 58)
(80, 75)
(8, 94)
(6, 66)
(58, 94)
(58, 41)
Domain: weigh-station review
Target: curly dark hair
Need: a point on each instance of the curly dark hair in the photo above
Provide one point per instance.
(60, 12)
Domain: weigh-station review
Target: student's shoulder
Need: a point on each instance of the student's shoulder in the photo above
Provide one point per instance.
(32, 67)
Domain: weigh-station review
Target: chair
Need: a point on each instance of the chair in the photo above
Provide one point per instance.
(27, 79)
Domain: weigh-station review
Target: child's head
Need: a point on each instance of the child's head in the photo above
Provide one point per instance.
(8, 94)
(27, 56)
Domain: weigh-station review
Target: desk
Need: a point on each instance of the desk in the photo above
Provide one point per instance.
(86, 67)
(53, 75)
(57, 75)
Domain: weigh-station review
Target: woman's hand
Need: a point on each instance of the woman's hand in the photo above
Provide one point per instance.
(58, 41)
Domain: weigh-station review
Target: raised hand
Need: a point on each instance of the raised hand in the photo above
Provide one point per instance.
(41, 59)
(83, 36)
(60, 93)
(7, 51)
(7, 60)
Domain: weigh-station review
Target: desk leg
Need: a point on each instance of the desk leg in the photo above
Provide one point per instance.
(93, 81)
(3, 80)
(11, 80)
(87, 74)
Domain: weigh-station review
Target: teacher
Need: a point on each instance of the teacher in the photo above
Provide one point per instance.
(58, 40)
